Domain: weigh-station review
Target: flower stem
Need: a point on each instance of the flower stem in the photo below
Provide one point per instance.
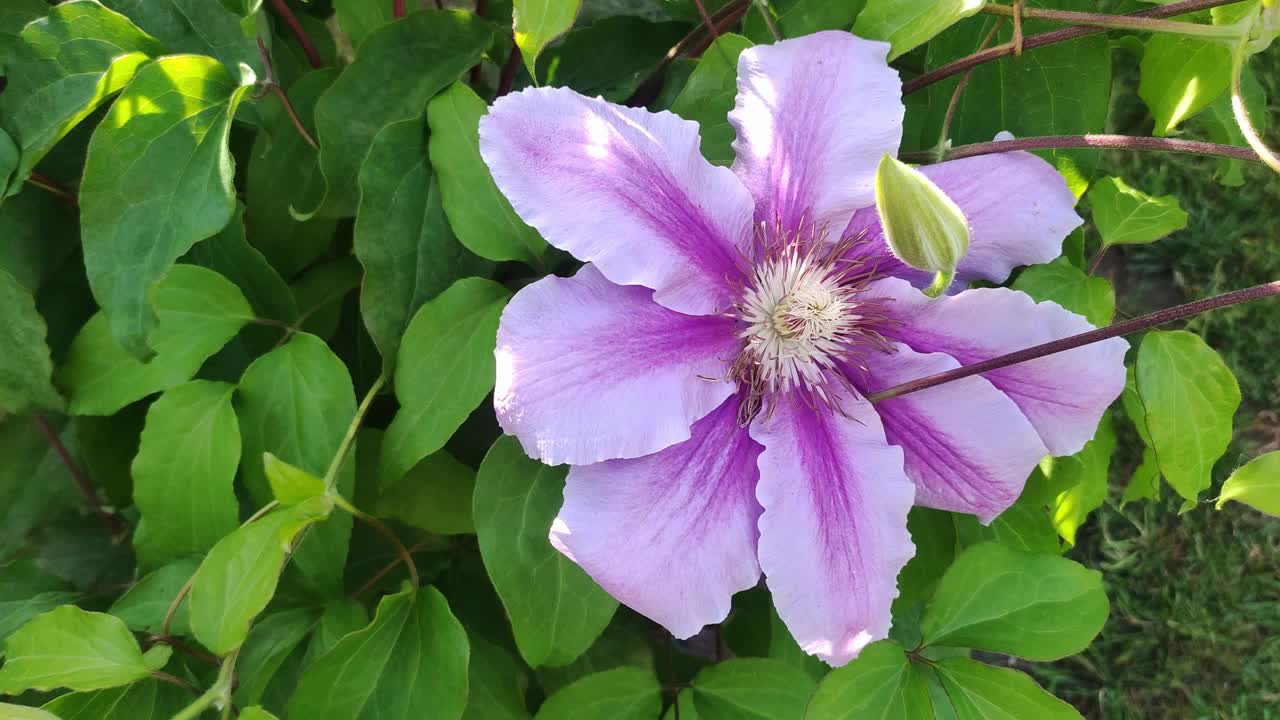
(767, 15)
(416, 547)
(1049, 38)
(509, 69)
(1238, 108)
(1101, 142)
(386, 532)
(1144, 322)
(398, 9)
(220, 692)
(331, 475)
(110, 521)
(308, 48)
(1122, 22)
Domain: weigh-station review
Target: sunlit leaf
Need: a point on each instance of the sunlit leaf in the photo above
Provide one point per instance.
(906, 24)
(1182, 75)
(537, 22)
(71, 648)
(981, 692)
(1127, 216)
(1256, 484)
(621, 694)
(1064, 283)
(751, 688)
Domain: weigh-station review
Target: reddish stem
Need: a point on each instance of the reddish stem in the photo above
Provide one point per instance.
(398, 9)
(509, 69)
(1103, 142)
(110, 521)
(1144, 322)
(1049, 38)
(282, 9)
(44, 182)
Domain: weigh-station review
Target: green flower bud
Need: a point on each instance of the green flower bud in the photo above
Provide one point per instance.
(924, 228)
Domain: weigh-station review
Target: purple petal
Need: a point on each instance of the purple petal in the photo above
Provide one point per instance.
(833, 535)
(624, 188)
(672, 535)
(590, 371)
(968, 448)
(814, 115)
(1063, 395)
(1019, 211)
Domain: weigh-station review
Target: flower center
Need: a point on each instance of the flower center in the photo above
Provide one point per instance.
(800, 315)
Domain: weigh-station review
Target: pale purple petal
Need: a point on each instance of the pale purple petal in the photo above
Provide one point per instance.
(833, 535)
(624, 188)
(1063, 395)
(814, 115)
(968, 448)
(1019, 211)
(590, 371)
(672, 535)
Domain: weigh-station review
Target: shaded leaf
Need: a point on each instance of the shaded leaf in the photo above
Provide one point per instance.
(270, 641)
(751, 688)
(376, 90)
(146, 700)
(445, 370)
(880, 681)
(1038, 607)
(434, 496)
(982, 692)
(185, 471)
(27, 591)
(195, 26)
(198, 311)
(69, 647)
(411, 662)
(496, 683)
(480, 215)
(358, 18)
(402, 236)
(155, 183)
(710, 94)
(239, 575)
(1188, 396)
(1127, 216)
(26, 370)
(35, 485)
(1085, 477)
(611, 57)
(229, 254)
(39, 234)
(143, 606)
(622, 694)
(556, 611)
(1256, 484)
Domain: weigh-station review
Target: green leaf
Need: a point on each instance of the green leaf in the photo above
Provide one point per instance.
(934, 533)
(907, 24)
(1025, 526)
(1059, 89)
(284, 176)
(290, 485)
(1219, 123)
(26, 370)
(9, 158)
(146, 700)
(19, 712)
(751, 688)
(982, 692)
(710, 94)
(34, 486)
(1145, 482)
(157, 180)
(185, 471)
(229, 254)
(1085, 475)
(256, 713)
(198, 310)
(625, 642)
(1038, 607)
(880, 682)
(411, 662)
(480, 215)
(14, 16)
(1189, 397)
(1180, 76)
(434, 496)
(556, 611)
(402, 236)
(1127, 216)
(803, 17)
(320, 291)
(195, 26)
(611, 57)
(341, 617)
(376, 90)
(621, 694)
(445, 370)
(296, 403)
(496, 683)
(358, 18)
(69, 647)
(157, 656)
(144, 605)
(271, 640)
(64, 67)
(39, 235)
(27, 591)
(537, 22)
(1065, 284)
(1256, 484)
(238, 576)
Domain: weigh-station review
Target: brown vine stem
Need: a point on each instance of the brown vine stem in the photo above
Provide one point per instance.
(1100, 142)
(398, 9)
(416, 547)
(1145, 322)
(706, 19)
(1121, 22)
(1049, 38)
(696, 41)
(293, 115)
(308, 48)
(44, 182)
(405, 556)
(960, 88)
(115, 528)
(509, 69)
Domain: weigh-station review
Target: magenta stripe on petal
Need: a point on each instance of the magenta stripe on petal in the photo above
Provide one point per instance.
(968, 448)
(833, 535)
(813, 116)
(591, 371)
(624, 188)
(671, 535)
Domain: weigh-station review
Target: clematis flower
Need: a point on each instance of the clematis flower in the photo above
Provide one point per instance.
(705, 373)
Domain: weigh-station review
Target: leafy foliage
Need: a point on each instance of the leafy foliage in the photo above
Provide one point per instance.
(252, 271)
